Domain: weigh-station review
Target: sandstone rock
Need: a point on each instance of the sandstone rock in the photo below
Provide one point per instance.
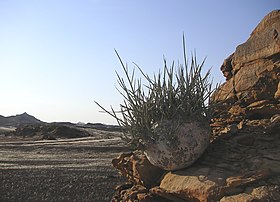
(253, 74)
(242, 162)
(246, 125)
(262, 109)
(263, 42)
(254, 62)
(231, 165)
(227, 168)
(137, 169)
(262, 193)
(240, 197)
(194, 184)
(135, 193)
(277, 93)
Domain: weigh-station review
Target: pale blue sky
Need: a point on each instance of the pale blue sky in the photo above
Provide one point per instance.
(57, 56)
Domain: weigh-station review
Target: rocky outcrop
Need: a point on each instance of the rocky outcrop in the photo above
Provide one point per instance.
(252, 89)
(242, 162)
(240, 167)
(233, 165)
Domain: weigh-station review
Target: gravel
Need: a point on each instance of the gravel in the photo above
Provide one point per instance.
(59, 170)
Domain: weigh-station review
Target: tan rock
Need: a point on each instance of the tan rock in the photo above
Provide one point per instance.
(257, 80)
(246, 178)
(253, 62)
(262, 109)
(137, 193)
(277, 93)
(194, 184)
(266, 193)
(243, 197)
(237, 110)
(137, 169)
(252, 76)
(225, 92)
(226, 168)
(263, 42)
(245, 153)
(262, 193)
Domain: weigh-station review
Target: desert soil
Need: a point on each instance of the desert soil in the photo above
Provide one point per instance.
(77, 169)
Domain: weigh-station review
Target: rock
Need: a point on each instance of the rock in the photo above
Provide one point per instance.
(263, 42)
(277, 93)
(137, 169)
(136, 193)
(226, 67)
(194, 184)
(262, 109)
(262, 193)
(242, 161)
(254, 62)
(227, 168)
(188, 143)
(252, 72)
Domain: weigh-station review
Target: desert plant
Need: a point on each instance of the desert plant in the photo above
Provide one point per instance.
(160, 104)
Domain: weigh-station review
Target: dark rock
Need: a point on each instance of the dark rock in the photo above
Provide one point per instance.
(18, 120)
(49, 131)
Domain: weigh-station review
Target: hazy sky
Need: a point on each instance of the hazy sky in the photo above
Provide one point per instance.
(57, 56)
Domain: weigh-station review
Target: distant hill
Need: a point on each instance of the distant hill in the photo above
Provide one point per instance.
(18, 120)
(49, 131)
(100, 126)
(26, 119)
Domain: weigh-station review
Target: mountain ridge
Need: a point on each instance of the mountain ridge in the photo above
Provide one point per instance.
(26, 119)
(19, 119)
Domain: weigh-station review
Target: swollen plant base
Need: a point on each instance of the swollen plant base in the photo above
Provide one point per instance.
(187, 145)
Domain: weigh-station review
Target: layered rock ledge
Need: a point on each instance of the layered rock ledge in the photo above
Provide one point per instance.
(252, 89)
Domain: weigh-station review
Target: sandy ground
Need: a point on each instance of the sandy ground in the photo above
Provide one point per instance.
(59, 170)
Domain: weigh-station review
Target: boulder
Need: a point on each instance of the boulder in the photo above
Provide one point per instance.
(232, 166)
(187, 144)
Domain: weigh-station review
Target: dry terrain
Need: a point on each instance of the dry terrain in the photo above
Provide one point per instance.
(77, 169)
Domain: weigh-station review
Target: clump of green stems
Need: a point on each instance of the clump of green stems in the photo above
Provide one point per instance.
(177, 95)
